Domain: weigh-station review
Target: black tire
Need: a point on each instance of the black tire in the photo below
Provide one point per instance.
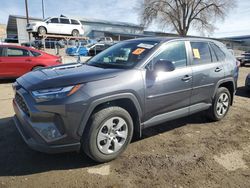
(213, 111)
(75, 33)
(36, 68)
(42, 30)
(96, 124)
(242, 64)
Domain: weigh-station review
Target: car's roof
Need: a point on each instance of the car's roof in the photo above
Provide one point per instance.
(165, 39)
(25, 48)
(16, 46)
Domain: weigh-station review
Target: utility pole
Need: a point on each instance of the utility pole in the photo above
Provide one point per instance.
(27, 15)
(43, 9)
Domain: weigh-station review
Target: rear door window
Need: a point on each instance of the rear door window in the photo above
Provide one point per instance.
(16, 52)
(1, 51)
(213, 55)
(201, 53)
(64, 21)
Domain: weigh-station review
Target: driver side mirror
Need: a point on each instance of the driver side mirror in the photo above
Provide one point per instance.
(164, 66)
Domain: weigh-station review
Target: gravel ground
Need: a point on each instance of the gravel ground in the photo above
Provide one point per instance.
(189, 152)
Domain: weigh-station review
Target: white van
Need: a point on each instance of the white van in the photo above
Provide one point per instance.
(56, 25)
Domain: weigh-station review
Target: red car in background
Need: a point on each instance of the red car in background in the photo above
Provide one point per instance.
(18, 60)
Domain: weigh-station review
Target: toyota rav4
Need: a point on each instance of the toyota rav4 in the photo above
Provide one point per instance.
(97, 107)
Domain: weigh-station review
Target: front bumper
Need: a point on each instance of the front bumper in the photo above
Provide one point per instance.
(31, 28)
(33, 120)
(33, 139)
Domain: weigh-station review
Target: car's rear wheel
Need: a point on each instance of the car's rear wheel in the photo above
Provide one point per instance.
(75, 33)
(243, 63)
(221, 104)
(42, 30)
(108, 134)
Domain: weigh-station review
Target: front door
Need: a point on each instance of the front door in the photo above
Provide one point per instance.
(169, 91)
(53, 26)
(15, 62)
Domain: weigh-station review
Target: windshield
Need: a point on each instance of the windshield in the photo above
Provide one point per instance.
(46, 19)
(123, 55)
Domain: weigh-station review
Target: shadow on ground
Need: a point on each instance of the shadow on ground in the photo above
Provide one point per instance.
(17, 159)
(199, 118)
(7, 81)
(243, 92)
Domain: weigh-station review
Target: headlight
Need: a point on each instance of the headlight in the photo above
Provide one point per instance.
(55, 93)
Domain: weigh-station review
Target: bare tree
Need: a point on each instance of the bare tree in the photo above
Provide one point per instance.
(181, 15)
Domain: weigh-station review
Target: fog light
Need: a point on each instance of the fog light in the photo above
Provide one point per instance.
(47, 131)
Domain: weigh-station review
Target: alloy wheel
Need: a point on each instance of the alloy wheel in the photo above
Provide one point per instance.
(112, 135)
(222, 104)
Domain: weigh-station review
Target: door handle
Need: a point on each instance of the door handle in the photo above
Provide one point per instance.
(218, 69)
(186, 78)
(28, 60)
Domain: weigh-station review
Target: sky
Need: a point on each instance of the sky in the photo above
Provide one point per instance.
(236, 23)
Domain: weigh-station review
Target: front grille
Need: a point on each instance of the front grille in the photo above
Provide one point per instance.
(19, 100)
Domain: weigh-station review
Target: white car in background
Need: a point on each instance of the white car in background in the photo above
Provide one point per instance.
(56, 25)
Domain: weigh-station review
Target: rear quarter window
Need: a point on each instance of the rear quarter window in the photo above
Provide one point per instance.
(218, 52)
(75, 22)
(35, 54)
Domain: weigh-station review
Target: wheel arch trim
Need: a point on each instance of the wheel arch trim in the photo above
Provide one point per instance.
(103, 100)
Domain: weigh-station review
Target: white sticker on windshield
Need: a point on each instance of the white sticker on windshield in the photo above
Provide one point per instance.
(147, 46)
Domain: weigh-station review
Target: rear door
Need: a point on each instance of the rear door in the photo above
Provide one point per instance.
(65, 26)
(207, 71)
(16, 62)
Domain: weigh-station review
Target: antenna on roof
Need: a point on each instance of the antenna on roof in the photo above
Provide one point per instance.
(63, 16)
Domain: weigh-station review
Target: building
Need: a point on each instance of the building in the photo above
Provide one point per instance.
(95, 28)
(2, 31)
(16, 28)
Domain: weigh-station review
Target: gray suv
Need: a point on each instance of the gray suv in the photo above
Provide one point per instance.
(135, 84)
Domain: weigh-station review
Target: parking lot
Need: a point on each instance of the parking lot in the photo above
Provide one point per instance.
(190, 152)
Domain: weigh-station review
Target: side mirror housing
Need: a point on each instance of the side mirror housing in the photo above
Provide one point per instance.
(164, 66)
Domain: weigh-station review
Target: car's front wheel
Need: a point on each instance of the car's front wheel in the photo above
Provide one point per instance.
(108, 134)
(221, 104)
(42, 30)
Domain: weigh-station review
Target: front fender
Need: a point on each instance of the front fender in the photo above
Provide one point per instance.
(106, 99)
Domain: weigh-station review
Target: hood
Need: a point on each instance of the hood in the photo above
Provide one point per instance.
(65, 75)
(37, 23)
